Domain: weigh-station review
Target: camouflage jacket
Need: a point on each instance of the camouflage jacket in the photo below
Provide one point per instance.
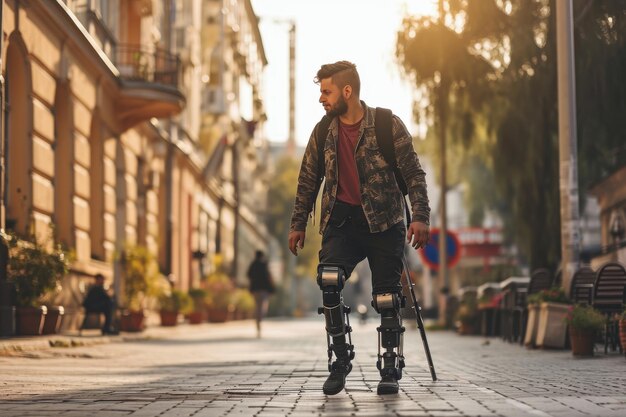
(381, 199)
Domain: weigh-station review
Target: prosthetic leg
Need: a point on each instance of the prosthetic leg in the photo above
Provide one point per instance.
(391, 338)
(331, 279)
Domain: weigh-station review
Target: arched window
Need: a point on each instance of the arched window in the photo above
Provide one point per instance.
(18, 136)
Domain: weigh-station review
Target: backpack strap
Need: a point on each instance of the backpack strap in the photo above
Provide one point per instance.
(384, 137)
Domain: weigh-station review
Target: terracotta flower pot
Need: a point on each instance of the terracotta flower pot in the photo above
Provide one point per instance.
(218, 315)
(196, 317)
(467, 328)
(29, 320)
(169, 318)
(132, 321)
(582, 342)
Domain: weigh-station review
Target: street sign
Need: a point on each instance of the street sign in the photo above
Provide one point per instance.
(430, 253)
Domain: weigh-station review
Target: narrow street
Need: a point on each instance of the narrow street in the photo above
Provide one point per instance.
(223, 369)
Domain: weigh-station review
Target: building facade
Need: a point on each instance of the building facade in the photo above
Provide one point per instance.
(231, 129)
(102, 126)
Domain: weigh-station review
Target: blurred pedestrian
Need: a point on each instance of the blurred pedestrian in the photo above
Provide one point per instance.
(261, 286)
(366, 157)
(99, 301)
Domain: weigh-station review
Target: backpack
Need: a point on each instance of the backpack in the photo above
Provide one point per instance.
(384, 138)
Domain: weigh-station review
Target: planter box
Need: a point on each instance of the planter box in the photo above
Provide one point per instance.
(552, 328)
(29, 320)
(53, 319)
(530, 337)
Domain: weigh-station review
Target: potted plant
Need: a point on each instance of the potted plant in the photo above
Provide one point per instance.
(468, 316)
(173, 303)
(141, 275)
(244, 303)
(547, 329)
(34, 269)
(218, 299)
(197, 315)
(584, 324)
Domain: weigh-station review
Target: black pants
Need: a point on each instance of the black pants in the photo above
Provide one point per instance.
(104, 307)
(347, 241)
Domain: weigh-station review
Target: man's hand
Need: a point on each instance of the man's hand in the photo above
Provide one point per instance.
(419, 233)
(296, 240)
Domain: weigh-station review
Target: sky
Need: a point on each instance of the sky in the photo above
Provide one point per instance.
(360, 31)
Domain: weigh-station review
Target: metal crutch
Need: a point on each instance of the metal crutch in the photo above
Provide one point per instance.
(418, 317)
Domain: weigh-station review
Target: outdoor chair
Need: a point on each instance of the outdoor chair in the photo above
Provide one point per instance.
(581, 287)
(514, 290)
(540, 279)
(609, 297)
(489, 296)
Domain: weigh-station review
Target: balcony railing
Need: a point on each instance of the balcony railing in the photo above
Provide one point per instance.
(139, 63)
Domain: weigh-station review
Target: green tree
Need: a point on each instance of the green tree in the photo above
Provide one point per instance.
(281, 198)
(506, 116)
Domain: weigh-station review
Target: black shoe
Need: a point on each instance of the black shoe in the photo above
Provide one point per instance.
(337, 379)
(388, 385)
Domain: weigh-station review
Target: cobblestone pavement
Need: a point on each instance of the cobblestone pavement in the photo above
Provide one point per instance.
(223, 369)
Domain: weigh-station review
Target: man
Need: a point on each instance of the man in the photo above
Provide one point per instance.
(362, 217)
(261, 286)
(98, 301)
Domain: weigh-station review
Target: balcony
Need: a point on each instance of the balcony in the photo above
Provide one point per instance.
(149, 80)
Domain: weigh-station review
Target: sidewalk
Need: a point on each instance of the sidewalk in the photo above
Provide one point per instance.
(224, 370)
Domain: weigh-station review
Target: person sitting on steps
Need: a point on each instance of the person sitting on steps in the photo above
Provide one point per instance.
(99, 301)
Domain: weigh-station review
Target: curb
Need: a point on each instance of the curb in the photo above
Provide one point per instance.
(18, 344)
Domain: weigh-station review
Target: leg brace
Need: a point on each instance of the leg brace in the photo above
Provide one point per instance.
(331, 279)
(390, 334)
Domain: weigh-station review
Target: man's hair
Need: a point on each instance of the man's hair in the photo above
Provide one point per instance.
(342, 73)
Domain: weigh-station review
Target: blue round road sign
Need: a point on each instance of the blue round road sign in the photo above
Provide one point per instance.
(430, 253)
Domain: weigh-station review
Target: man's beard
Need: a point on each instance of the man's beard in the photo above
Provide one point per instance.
(341, 107)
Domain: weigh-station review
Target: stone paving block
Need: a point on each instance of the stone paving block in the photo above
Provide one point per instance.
(422, 413)
(155, 377)
(586, 406)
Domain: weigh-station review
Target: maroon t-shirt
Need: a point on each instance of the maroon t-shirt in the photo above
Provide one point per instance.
(348, 189)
